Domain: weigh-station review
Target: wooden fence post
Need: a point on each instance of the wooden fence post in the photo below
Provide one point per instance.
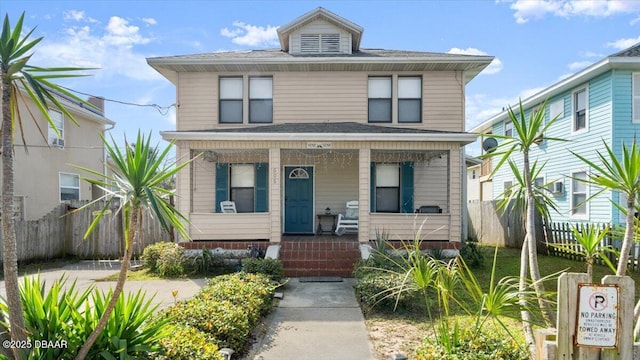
(625, 318)
(567, 310)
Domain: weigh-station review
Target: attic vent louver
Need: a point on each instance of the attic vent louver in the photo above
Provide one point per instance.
(320, 43)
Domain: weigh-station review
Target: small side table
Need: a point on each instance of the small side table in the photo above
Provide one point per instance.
(321, 229)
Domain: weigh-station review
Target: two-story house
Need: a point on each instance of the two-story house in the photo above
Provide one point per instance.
(291, 133)
(43, 175)
(599, 104)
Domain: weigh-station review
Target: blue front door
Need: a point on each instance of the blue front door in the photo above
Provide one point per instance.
(298, 200)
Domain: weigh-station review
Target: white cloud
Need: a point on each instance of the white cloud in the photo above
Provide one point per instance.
(76, 15)
(623, 43)
(109, 49)
(251, 35)
(493, 68)
(579, 65)
(528, 9)
(149, 21)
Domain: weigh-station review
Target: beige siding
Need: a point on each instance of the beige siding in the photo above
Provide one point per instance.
(197, 101)
(431, 183)
(406, 226)
(443, 100)
(203, 186)
(248, 226)
(313, 97)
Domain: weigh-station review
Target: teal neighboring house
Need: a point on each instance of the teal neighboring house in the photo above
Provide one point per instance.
(598, 104)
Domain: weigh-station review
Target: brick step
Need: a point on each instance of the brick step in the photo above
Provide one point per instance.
(319, 258)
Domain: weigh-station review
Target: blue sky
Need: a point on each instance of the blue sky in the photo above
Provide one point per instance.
(535, 43)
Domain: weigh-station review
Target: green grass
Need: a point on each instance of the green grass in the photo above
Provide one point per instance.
(139, 275)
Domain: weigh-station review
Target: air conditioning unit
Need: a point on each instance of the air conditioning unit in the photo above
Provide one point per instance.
(58, 142)
(556, 188)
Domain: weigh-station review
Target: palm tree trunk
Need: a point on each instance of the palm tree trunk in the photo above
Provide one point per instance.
(527, 323)
(628, 236)
(133, 237)
(9, 247)
(530, 235)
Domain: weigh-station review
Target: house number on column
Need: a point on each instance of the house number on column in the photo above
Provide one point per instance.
(274, 175)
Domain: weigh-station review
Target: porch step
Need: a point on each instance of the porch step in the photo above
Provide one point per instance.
(330, 256)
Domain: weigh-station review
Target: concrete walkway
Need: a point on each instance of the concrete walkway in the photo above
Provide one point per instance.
(316, 321)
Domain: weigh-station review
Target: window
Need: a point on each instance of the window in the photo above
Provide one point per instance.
(556, 108)
(507, 185)
(380, 99)
(579, 194)
(260, 99)
(69, 187)
(58, 120)
(538, 182)
(387, 188)
(242, 186)
(580, 110)
(231, 100)
(508, 128)
(636, 97)
(409, 99)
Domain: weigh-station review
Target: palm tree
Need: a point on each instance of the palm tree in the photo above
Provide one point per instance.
(528, 133)
(135, 187)
(19, 78)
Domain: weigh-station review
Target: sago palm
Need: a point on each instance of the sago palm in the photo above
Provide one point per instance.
(135, 187)
(20, 82)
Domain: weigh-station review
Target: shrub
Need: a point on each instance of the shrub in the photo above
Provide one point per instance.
(271, 267)
(471, 255)
(188, 343)
(165, 259)
(490, 343)
(252, 291)
(381, 290)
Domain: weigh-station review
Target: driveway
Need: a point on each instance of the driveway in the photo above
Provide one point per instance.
(85, 273)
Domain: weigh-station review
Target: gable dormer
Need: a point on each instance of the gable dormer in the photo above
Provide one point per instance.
(320, 32)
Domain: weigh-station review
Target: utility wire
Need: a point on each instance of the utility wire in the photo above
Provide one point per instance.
(163, 110)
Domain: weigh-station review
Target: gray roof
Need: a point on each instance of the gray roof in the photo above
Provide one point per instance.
(327, 127)
(633, 51)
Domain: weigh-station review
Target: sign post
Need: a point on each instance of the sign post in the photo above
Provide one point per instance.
(598, 317)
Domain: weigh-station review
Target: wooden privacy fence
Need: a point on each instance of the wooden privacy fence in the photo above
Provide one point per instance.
(497, 228)
(60, 233)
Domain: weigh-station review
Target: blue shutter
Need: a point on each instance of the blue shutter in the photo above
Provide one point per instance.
(262, 187)
(372, 182)
(222, 184)
(406, 187)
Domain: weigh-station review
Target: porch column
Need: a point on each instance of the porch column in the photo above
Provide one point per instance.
(455, 191)
(183, 184)
(364, 168)
(275, 195)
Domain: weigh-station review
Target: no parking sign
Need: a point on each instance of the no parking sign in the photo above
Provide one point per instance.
(597, 324)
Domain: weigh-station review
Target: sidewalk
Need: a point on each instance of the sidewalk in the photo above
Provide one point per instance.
(316, 321)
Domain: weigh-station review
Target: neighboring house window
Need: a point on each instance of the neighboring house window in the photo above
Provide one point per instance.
(231, 100)
(380, 99)
(260, 99)
(508, 128)
(538, 182)
(580, 110)
(579, 195)
(387, 183)
(507, 185)
(242, 186)
(636, 97)
(69, 187)
(556, 108)
(473, 174)
(58, 121)
(409, 99)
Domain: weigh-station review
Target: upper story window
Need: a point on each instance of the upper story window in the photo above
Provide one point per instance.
(636, 98)
(69, 187)
(320, 43)
(508, 128)
(56, 139)
(409, 99)
(231, 100)
(260, 99)
(580, 110)
(380, 99)
(556, 109)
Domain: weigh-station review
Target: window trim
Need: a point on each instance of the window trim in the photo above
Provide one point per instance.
(586, 110)
(420, 99)
(220, 100)
(53, 140)
(634, 97)
(260, 99)
(572, 204)
(79, 188)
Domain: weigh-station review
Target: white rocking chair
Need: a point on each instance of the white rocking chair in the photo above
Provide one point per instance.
(349, 220)
(228, 207)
